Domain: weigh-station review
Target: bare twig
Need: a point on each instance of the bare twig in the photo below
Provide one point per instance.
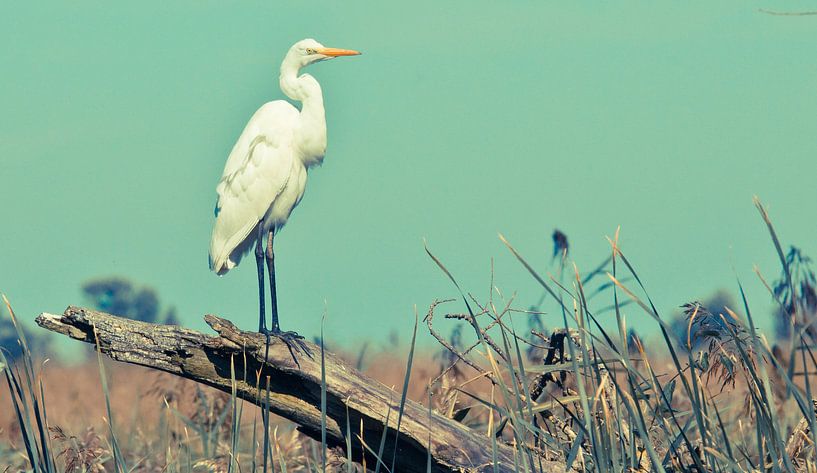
(786, 13)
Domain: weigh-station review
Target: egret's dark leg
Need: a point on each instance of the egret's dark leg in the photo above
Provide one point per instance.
(259, 262)
(292, 339)
(273, 293)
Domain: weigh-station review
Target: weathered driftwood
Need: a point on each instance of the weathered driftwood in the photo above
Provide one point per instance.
(294, 389)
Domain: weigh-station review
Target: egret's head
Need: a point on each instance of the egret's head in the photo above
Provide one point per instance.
(308, 51)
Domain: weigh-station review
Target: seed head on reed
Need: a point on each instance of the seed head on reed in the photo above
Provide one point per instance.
(796, 292)
(723, 347)
(560, 245)
(84, 453)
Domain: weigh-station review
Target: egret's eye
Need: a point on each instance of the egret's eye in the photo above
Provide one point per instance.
(310, 51)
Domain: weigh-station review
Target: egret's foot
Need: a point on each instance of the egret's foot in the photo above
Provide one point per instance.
(295, 343)
(265, 332)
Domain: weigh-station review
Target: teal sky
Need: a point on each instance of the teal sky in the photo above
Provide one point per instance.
(461, 120)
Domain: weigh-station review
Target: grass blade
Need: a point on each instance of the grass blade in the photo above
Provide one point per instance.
(323, 400)
(405, 387)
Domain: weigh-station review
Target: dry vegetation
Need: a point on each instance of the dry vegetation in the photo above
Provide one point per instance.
(718, 396)
(152, 410)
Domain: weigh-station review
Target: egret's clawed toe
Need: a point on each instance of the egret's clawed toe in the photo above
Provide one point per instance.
(294, 342)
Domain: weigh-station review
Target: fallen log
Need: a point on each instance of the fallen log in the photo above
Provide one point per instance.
(294, 389)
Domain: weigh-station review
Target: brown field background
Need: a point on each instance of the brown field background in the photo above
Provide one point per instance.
(75, 402)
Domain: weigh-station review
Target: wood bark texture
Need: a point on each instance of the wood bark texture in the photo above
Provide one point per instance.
(294, 389)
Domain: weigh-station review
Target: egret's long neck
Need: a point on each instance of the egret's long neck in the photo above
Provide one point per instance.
(312, 134)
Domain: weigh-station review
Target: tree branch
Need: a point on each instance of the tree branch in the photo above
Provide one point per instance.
(787, 13)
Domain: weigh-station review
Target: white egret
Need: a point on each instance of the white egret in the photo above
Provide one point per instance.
(265, 175)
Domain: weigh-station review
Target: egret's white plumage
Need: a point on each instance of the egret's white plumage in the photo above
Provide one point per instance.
(265, 175)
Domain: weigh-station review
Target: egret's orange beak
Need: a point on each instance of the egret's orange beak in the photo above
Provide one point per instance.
(335, 52)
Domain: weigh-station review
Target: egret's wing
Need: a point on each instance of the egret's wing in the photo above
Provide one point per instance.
(256, 172)
(274, 121)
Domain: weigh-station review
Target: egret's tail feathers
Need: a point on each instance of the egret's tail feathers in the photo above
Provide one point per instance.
(216, 266)
(225, 254)
(220, 265)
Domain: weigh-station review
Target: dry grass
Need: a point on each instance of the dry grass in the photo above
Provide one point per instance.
(149, 407)
(719, 398)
